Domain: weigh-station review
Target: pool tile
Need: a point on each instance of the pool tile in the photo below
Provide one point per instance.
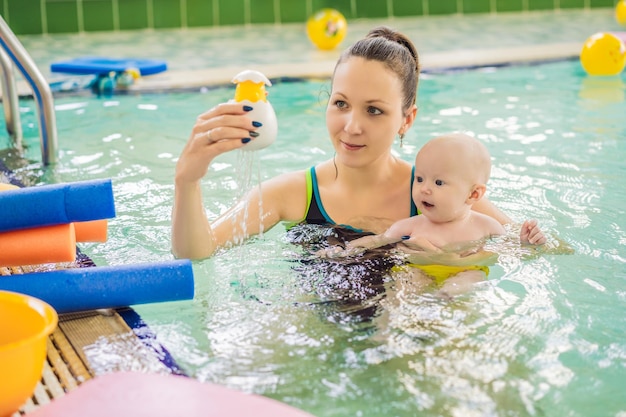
(368, 9)
(571, 4)
(262, 11)
(437, 7)
(199, 13)
(98, 15)
(408, 8)
(62, 16)
(133, 14)
(602, 3)
(342, 6)
(541, 4)
(231, 12)
(509, 5)
(25, 17)
(166, 14)
(476, 6)
(293, 11)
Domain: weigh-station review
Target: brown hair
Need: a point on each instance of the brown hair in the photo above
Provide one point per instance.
(396, 51)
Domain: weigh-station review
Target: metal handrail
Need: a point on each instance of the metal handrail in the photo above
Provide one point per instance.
(10, 100)
(41, 90)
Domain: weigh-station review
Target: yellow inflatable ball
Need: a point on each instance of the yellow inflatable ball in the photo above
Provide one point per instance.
(603, 54)
(620, 12)
(326, 28)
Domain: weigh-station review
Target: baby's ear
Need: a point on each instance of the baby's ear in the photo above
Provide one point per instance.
(478, 191)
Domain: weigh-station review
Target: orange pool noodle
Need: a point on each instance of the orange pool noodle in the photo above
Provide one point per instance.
(91, 231)
(38, 245)
(4, 186)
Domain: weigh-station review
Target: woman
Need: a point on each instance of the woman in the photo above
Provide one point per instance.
(372, 101)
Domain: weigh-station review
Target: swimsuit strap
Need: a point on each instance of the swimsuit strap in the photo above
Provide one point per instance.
(316, 213)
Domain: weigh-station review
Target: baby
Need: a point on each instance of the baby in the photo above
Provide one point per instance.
(451, 173)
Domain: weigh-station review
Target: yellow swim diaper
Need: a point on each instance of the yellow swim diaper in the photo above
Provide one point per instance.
(442, 272)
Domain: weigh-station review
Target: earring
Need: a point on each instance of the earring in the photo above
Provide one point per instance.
(401, 137)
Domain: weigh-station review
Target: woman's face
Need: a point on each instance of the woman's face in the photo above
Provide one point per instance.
(364, 113)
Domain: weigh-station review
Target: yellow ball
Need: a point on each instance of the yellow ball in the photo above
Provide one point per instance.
(620, 12)
(603, 54)
(326, 28)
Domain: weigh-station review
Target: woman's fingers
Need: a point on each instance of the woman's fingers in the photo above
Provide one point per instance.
(225, 108)
(223, 128)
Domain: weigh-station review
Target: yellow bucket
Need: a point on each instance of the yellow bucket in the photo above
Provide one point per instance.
(25, 324)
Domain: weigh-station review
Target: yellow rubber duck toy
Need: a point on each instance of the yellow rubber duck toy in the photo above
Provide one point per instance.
(251, 91)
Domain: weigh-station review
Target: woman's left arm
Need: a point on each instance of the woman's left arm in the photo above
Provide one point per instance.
(485, 206)
(530, 231)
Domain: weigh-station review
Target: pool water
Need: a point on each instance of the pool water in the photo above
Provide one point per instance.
(544, 336)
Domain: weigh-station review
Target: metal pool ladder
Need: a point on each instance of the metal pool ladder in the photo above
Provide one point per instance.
(13, 52)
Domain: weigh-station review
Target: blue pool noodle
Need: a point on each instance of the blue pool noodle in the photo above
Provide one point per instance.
(80, 289)
(47, 205)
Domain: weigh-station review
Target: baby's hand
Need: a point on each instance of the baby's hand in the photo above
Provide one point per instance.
(531, 233)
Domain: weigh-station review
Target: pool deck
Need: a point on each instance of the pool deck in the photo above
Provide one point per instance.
(436, 61)
(200, 58)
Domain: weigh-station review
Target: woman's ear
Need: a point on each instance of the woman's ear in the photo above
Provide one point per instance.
(409, 118)
(478, 192)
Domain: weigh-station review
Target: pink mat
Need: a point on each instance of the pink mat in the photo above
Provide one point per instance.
(134, 394)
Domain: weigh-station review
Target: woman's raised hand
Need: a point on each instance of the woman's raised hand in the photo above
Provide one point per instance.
(221, 129)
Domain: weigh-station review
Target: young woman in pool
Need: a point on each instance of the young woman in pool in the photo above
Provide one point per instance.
(372, 100)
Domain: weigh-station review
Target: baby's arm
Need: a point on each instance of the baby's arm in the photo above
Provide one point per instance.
(396, 233)
(419, 244)
(373, 241)
(357, 246)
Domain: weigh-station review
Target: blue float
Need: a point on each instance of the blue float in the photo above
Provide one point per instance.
(81, 289)
(51, 204)
(103, 65)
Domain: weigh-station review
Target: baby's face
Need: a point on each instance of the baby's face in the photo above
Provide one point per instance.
(441, 187)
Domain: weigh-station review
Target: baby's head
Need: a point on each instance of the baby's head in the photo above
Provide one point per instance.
(451, 170)
(461, 153)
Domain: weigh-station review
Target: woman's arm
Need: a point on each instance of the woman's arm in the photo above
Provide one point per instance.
(222, 129)
(192, 236)
(485, 206)
(282, 198)
(530, 231)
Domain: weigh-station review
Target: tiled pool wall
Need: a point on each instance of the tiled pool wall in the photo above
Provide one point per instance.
(71, 16)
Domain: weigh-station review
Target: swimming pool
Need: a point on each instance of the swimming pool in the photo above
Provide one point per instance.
(544, 336)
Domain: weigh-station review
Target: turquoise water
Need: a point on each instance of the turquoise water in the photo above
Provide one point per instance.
(543, 337)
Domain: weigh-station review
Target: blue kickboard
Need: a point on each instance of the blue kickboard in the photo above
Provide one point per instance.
(102, 65)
